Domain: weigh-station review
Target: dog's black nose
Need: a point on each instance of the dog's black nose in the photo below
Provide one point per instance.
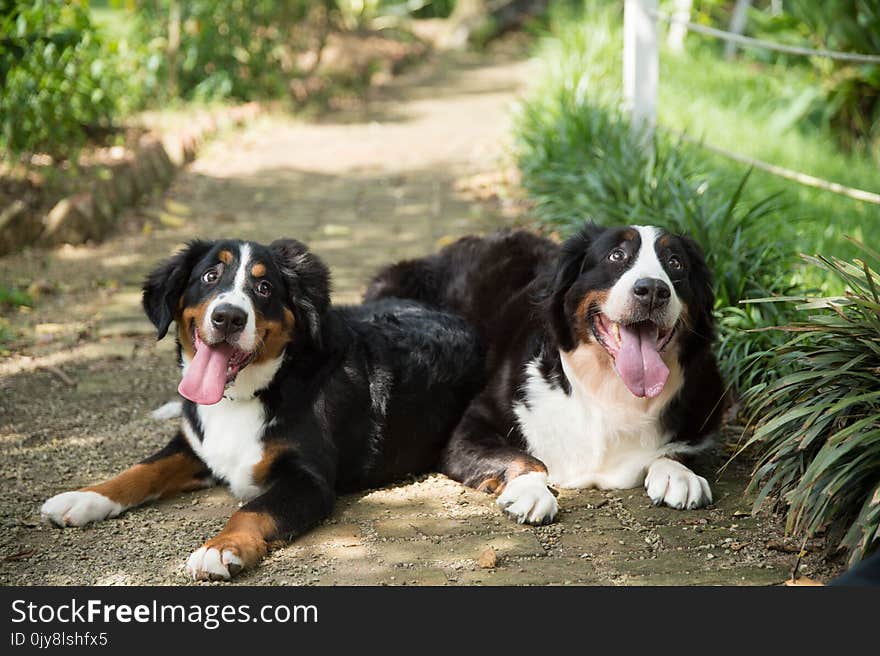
(228, 319)
(652, 292)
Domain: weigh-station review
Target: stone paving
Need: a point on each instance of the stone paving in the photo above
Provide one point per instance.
(362, 188)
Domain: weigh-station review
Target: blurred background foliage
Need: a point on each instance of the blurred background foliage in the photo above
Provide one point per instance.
(69, 68)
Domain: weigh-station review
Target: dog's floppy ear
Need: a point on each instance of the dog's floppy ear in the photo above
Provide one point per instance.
(166, 284)
(573, 260)
(702, 287)
(308, 283)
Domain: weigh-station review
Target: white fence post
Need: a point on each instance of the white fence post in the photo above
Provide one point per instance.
(640, 66)
(677, 28)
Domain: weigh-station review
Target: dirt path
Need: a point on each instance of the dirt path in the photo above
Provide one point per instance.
(361, 189)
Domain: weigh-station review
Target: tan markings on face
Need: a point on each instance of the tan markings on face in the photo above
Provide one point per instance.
(189, 317)
(225, 256)
(274, 336)
(258, 270)
(591, 365)
(271, 453)
(629, 234)
(517, 467)
(247, 535)
(582, 328)
(664, 241)
(153, 480)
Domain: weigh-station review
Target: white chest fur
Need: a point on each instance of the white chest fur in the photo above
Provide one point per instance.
(231, 443)
(599, 435)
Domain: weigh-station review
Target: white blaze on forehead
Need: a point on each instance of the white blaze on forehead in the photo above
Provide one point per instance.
(238, 297)
(646, 265)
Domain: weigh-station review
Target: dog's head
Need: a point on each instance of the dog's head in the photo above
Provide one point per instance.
(638, 293)
(236, 304)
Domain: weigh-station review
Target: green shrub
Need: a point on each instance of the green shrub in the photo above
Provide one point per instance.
(579, 160)
(58, 77)
(227, 48)
(817, 429)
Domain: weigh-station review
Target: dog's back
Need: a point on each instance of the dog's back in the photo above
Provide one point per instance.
(472, 277)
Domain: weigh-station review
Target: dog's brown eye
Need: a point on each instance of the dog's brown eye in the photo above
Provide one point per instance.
(264, 288)
(210, 276)
(617, 255)
(675, 264)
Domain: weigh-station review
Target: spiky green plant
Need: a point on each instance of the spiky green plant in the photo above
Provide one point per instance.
(817, 429)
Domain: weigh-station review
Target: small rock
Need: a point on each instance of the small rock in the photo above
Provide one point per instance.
(487, 559)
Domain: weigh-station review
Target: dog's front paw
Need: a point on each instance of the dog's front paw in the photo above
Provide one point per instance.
(212, 564)
(78, 508)
(225, 556)
(528, 500)
(672, 483)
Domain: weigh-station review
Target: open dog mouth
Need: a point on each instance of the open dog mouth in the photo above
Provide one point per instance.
(635, 349)
(213, 368)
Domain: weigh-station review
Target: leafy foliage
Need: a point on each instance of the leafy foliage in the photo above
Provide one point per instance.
(818, 428)
(846, 95)
(580, 160)
(58, 76)
(210, 49)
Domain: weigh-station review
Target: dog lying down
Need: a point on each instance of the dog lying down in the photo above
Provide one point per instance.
(289, 400)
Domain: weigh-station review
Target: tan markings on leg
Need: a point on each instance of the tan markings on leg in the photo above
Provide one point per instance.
(152, 480)
(591, 302)
(247, 535)
(190, 316)
(258, 270)
(492, 485)
(225, 256)
(275, 335)
(517, 467)
(271, 453)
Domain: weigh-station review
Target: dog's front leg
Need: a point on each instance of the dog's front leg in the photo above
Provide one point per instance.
(172, 470)
(295, 500)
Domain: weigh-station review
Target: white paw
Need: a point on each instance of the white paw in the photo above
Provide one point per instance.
(528, 500)
(672, 483)
(78, 508)
(208, 564)
(170, 410)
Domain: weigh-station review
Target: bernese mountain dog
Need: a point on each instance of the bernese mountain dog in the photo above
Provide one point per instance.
(289, 400)
(600, 370)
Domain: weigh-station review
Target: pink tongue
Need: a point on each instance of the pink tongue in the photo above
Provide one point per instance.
(638, 362)
(205, 378)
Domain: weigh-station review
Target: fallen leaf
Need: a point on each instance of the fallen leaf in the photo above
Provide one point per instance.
(487, 559)
(21, 555)
(741, 513)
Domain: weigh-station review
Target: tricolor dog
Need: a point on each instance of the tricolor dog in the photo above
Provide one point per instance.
(600, 371)
(288, 400)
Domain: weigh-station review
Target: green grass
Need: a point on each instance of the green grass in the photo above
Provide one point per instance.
(748, 108)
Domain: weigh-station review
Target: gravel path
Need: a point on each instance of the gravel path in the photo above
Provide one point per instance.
(362, 188)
